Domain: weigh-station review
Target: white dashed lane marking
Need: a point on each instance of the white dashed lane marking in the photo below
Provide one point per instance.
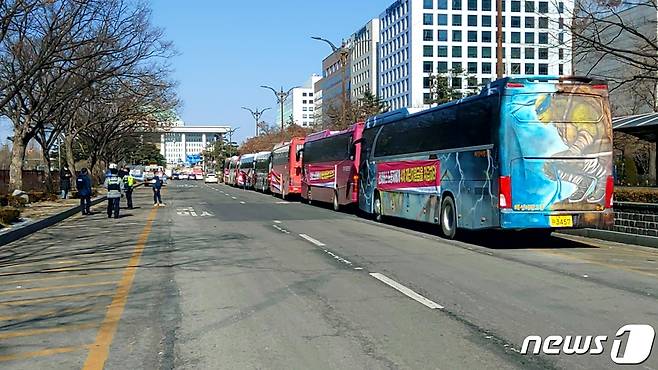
(314, 241)
(406, 291)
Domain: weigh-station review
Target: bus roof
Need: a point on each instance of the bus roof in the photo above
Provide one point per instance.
(326, 133)
(261, 155)
(493, 88)
(246, 157)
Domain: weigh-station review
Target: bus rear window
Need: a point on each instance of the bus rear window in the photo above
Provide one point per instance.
(558, 108)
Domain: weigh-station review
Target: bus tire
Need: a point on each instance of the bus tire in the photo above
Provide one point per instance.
(448, 218)
(336, 205)
(377, 208)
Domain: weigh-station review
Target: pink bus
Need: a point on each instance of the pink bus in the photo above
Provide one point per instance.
(285, 176)
(331, 166)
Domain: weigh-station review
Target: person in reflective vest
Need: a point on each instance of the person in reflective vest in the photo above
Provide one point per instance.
(114, 186)
(128, 184)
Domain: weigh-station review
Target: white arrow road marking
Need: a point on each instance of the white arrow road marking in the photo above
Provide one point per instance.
(406, 291)
(206, 213)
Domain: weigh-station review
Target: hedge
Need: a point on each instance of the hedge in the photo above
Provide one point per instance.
(638, 195)
(9, 215)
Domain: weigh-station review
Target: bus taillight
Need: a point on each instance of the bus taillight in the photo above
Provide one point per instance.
(355, 183)
(609, 191)
(505, 192)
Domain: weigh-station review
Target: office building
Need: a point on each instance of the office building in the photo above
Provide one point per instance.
(300, 105)
(363, 60)
(180, 141)
(424, 38)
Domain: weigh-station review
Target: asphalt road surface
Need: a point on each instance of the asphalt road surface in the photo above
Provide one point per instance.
(223, 278)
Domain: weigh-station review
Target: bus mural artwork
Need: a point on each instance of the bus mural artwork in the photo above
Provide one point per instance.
(567, 151)
(525, 153)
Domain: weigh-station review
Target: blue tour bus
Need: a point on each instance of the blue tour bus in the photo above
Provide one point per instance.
(525, 153)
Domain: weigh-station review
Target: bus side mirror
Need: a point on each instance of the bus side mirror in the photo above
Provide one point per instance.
(352, 152)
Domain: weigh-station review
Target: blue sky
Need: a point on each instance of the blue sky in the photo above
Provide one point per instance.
(229, 48)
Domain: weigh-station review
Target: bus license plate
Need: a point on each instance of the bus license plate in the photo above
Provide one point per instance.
(561, 221)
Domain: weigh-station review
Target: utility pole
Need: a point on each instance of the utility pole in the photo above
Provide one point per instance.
(343, 57)
(281, 97)
(500, 68)
(256, 114)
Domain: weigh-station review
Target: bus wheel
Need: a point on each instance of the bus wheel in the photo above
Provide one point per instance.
(336, 204)
(448, 218)
(378, 208)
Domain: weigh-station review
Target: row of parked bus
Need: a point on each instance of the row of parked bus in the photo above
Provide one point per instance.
(525, 153)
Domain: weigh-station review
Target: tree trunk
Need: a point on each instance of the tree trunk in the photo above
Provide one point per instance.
(47, 176)
(68, 151)
(16, 166)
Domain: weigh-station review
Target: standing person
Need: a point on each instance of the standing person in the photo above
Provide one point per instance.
(128, 184)
(157, 186)
(64, 182)
(114, 186)
(83, 184)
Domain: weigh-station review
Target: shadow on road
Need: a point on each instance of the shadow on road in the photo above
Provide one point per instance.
(496, 239)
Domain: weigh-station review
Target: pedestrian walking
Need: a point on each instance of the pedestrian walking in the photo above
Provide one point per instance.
(114, 186)
(157, 186)
(83, 184)
(64, 182)
(128, 184)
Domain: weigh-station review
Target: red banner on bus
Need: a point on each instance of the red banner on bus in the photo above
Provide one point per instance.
(415, 175)
(322, 175)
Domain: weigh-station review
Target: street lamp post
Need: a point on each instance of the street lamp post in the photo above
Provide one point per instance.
(281, 97)
(256, 114)
(500, 68)
(344, 55)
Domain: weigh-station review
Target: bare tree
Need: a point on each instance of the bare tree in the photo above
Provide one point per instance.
(617, 41)
(100, 43)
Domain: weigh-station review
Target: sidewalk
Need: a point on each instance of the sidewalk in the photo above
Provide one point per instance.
(56, 284)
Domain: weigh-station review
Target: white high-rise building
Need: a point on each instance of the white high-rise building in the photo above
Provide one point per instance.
(363, 46)
(423, 38)
(300, 104)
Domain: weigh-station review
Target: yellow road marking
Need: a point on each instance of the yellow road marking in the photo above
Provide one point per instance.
(100, 349)
(67, 297)
(43, 352)
(56, 287)
(62, 277)
(57, 329)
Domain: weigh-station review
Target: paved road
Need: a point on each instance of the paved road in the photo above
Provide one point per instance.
(226, 278)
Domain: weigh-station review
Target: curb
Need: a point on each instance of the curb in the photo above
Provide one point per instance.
(31, 228)
(615, 236)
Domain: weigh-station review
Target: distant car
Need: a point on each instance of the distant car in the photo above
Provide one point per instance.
(211, 178)
(191, 176)
(175, 176)
(182, 176)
